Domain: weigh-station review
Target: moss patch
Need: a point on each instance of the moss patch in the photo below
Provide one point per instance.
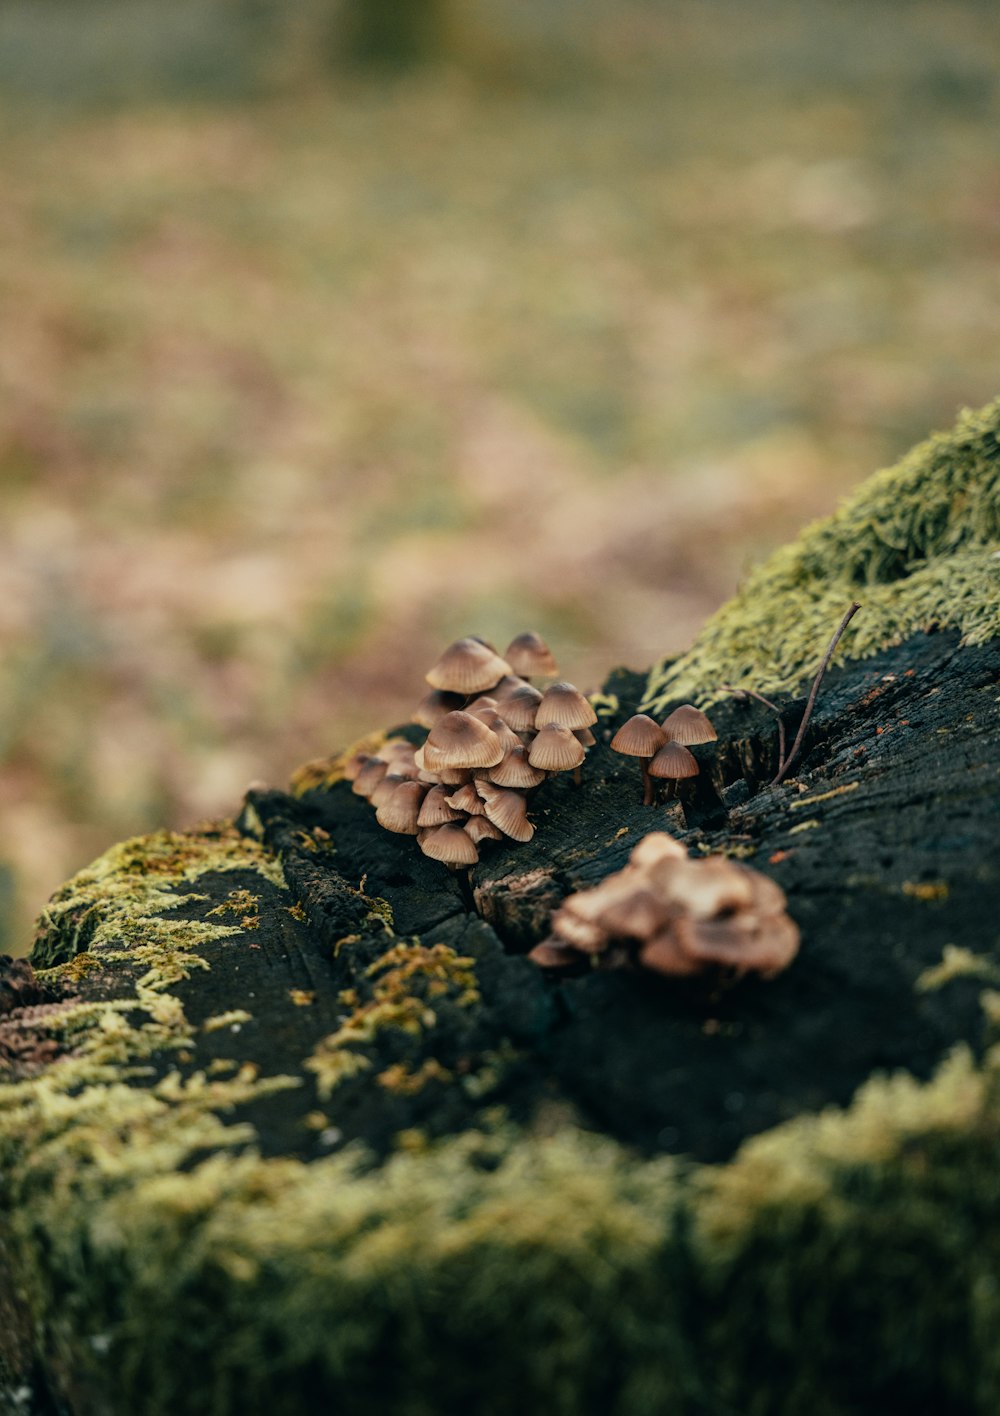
(558, 1268)
(917, 545)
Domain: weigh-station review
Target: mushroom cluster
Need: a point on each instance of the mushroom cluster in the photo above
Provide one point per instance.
(675, 916)
(492, 738)
(663, 748)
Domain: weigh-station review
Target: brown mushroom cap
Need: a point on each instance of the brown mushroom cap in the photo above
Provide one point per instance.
(673, 762)
(655, 847)
(354, 764)
(460, 740)
(564, 704)
(467, 799)
(436, 808)
(384, 789)
(639, 737)
(555, 749)
(401, 810)
(529, 654)
(481, 828)
(506, 736)
(518, 708)
(584, 736)
(468, 666)
(551, 954)
(369, 777)
(450, 844)
(516, 771)
(508, 810)
(688, 725)
(435, 705)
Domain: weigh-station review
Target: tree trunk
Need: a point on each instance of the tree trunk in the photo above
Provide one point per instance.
(291, 1122)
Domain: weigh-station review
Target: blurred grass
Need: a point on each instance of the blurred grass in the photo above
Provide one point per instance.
(306, 371)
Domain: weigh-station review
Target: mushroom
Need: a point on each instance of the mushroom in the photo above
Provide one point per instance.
(507, 809)
(679, 917)
(555, 749)
(401, 810)
(516, 771)
(467, 799)
(688, 726)
(518, 708)
(674, 763)
(640, 737)
(436, 808)
(460, 740)
(530, 656)
(468, 667)
(435, 705)
(450, 844)
(563, 704)
(481, 828)
(369, 777)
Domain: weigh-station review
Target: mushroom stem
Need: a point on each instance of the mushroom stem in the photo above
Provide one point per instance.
(647, 782)
(784, 768)
(576, 776)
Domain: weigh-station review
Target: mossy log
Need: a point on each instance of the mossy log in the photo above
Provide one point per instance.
(288, 1121)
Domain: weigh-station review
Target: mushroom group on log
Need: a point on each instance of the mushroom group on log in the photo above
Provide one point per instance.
(289, 1120)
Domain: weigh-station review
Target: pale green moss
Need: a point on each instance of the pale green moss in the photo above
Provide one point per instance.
(562, 1268)
(917, 545)
(956, 962)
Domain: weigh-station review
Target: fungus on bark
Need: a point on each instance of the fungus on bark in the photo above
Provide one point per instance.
(675, 916)
(673, 763)
(468, 667)
(688, 726)
(460, 740)
(564, 704)
(530, 656)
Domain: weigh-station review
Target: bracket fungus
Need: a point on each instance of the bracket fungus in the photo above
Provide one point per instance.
(486, 750)
(675, 916)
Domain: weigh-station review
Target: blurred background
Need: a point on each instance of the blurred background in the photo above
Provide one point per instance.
(333, 329)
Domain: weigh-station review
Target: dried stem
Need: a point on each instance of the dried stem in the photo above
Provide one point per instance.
(749, 693)
(786, 764)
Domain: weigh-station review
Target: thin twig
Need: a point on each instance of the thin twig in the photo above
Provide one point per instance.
(749, 693)
(783, 769)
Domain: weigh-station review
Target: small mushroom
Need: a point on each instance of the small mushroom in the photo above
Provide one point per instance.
(530, 656)
(450, 844)
(369, 777)
(384, 789)
(402, 809)
(555, 749)
(688, 726)
(435, 705)
(460, 740)
(516, 771)
(519, 707)
(563, 704)
(468, 667)
(674, 763)
(467, 799)
(508, 810)
(551, 954)
(481, 828)
(640, 737)
(436, 808)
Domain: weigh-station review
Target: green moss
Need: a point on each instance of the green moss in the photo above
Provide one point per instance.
(916, 544)
(408, 979)
(838, 1264)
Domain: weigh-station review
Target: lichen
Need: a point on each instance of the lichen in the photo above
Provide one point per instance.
(408, 978)
(956, 962)
(325, 772)
(917, 544)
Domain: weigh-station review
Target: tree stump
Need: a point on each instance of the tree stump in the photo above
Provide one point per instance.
(289, 1122)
